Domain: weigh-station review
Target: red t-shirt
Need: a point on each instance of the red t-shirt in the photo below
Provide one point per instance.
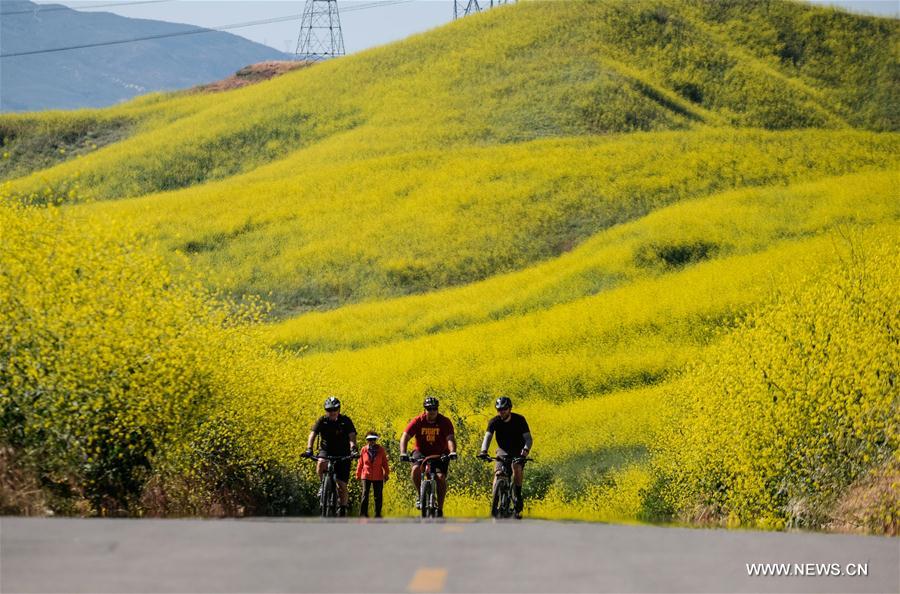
(431, 438)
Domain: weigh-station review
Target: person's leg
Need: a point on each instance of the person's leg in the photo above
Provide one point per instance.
(498, 468)
(378, 487)
(518, 478)
(343, 492)
(364, 502)
(417, 477)
(321, 467)
(343, 477)
(442, 490)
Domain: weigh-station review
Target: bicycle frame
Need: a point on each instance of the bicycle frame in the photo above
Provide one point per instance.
(428, 488)
(503, 498)
(329, 499)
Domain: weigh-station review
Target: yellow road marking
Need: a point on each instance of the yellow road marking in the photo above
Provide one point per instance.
(452, 529)
(428, 579)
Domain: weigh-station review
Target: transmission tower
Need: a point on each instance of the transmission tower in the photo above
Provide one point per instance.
(320, 31)
(463, 8)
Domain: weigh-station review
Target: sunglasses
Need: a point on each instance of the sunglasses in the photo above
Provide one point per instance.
(431, 408)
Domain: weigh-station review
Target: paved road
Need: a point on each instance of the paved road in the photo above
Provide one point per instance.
(96, 555)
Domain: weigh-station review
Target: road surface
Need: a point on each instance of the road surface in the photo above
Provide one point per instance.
(285, 555)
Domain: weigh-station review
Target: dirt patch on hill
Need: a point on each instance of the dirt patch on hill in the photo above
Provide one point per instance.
(252, 74)
(872, 504)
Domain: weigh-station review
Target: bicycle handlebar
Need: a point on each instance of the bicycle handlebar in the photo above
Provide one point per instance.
(351, 456)
(442, 457)
(513, 459)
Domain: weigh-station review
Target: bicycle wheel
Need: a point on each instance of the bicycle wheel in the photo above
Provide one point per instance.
(434, 500)
(329, 498)
(505, 510)
(500, 488)
(323, 501)
(425, 497)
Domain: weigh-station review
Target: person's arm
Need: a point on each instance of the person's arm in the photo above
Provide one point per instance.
(527, 436)
(359, 467)
(404, 440)
(528, 443)
(488, 435)
(451, 438)
(486, 442)
(312, 437)
(384, 464)
(351, 433)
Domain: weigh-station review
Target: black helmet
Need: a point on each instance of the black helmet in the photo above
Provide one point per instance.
(332, 403)
(503, 402)
(430, 402)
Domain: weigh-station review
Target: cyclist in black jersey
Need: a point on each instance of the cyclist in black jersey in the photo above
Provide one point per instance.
(513, 439)
(337, 437)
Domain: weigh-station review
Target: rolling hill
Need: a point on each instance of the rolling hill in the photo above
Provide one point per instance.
(582, 205)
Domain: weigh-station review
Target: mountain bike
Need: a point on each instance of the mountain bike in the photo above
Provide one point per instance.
(329, 500)
(503, 499)
(428, 489)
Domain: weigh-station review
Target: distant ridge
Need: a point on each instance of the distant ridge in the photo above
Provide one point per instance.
(97, 77)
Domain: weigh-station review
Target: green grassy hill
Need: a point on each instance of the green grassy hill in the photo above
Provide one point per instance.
(571, 203)
(406, 147)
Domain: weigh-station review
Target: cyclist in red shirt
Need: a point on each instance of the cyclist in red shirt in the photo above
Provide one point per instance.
(434, 437)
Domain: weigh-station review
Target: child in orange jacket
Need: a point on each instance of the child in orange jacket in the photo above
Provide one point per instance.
(373, 471)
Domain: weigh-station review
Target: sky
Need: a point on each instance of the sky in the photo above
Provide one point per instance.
(363, 24)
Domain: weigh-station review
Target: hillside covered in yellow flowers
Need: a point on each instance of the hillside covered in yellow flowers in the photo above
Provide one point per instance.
(667, 229)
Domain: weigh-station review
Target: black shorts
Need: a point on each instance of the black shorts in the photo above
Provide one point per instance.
(342, 468)
(439, 466)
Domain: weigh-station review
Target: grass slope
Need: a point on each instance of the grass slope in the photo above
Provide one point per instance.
(572, 224)
(588, 68)
(663, 242)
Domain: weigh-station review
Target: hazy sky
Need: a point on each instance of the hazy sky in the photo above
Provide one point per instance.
(362, 27)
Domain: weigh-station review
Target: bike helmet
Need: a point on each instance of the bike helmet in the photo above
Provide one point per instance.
(430, 402)
(503, 402)
(332, 403)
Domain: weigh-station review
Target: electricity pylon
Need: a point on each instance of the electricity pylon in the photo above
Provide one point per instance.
(463, 8)
(320, 31)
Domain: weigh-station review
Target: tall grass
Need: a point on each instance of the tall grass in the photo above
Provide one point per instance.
(411, 223)
(774, 423)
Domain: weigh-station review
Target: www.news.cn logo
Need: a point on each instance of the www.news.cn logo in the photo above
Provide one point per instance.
(807, 569)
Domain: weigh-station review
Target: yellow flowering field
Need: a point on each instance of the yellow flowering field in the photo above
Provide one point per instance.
(668, 229)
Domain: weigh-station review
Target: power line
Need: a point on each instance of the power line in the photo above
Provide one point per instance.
(198, 31)
(51, 8)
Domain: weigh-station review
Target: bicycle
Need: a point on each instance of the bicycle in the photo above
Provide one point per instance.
(428, 489)
(328, 493)
(503, 497)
